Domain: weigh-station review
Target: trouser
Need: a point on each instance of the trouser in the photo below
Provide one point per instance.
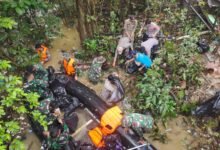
(145, 37)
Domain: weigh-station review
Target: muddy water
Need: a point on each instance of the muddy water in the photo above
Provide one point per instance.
(178, 136)
(32, 142)
(67, 41)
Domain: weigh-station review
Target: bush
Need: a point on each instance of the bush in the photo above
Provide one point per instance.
(13, 104)
(99, 45)
(154, 95)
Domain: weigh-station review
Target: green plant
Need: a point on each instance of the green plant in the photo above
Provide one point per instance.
(154, 95)
(183, 61)
(114, 22)
(14, 103)
(7, 23)
(98, 45)
(186, 108)
(22, 24)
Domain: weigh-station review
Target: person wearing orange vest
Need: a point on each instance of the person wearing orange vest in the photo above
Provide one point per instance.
(69, 67)
(43, 53)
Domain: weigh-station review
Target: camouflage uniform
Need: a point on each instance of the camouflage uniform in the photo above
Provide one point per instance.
(44, 109)
(40, 73)
(138, 122)
(95, 69)
(38, 86)
(60, 142)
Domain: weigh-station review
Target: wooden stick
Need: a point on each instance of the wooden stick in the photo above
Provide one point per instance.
(82, 127)
(137, 147)
(115, 58)
(188, 36)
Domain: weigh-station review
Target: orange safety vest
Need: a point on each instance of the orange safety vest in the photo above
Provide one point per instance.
(110, 121)
(68, 66)
(43, 54)
(96, 137)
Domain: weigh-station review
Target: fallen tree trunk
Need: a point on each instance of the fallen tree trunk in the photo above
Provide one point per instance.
(98, 107)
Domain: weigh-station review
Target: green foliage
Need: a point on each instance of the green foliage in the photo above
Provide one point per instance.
(21, 6)
(17, 145)
(7, 23)
(98, 45)
(114, 22)
(186, 108)
(154, 95)
(183, 61)
(13, 104)
(22, 24)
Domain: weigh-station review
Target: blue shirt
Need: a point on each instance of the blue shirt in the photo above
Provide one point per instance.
(143, 59)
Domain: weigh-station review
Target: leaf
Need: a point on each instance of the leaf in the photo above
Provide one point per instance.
(21, 109)
(12, 126)
(7, 23)
(3, 147)
(19, 11)
(17, 145)
(2, 111)
(181, 94)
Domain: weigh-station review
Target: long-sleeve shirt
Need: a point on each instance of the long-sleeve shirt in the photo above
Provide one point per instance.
(152, 29)
(138, 122)
(130, 27)
(148, 45)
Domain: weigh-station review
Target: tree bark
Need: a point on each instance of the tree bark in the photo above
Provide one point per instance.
(85, 9)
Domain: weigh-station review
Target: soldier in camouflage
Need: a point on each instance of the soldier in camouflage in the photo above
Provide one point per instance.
(138, 122)
(38, 86)
(39, 72)
(95, 70)
(58, 139)
(44, 108)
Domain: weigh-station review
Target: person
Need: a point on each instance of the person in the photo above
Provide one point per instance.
(95, 70)
(140, 60)
(70, 119)
(33, 84)
(43, 53)
(130, 26)
(38, 71)
(112, 142)
(148, 45)
(124, 43)
(59, 138)
(69, 66)
(152, 30)
(138, 122)
(113, 90)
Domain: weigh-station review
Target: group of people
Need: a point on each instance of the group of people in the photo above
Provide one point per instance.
(141, 56)
(59, 107)
(55, 104)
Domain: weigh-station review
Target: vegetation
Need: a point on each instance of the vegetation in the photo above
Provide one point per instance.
(164, 90)
(154, 95)
(99, 45)
(14, 104)
(22, 24)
